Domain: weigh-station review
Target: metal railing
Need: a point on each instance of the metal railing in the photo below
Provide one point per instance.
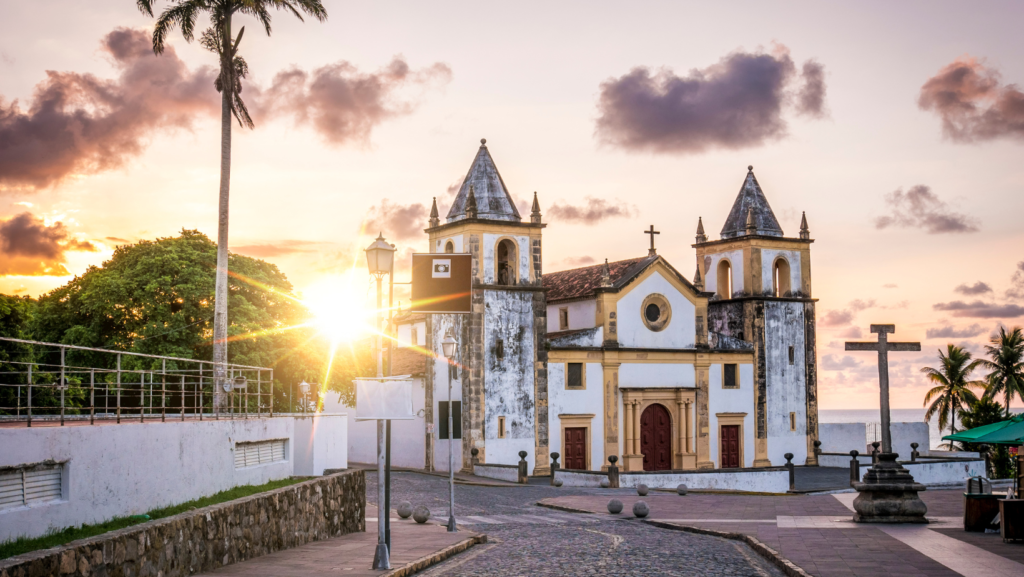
(43, 383)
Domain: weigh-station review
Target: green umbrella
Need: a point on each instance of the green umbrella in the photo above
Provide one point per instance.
(1012, 434)
(973, 435)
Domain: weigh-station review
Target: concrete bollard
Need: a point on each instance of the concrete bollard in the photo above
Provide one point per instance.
(641, 510)
(405, 509)
(474, 459)
(642, 490)
(792, 471)
(421, 514)
(523, 467)
(681, 489)
(613, 472)
(913, 452)
(554, 466)
(817, 452)
(874, 452)
(614, 506)
(854, 468)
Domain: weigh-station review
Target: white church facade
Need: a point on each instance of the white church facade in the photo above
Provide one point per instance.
(628, 358)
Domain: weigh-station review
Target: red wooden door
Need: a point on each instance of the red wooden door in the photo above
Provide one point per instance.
(730, 446)
(656, 438)
(575, 448)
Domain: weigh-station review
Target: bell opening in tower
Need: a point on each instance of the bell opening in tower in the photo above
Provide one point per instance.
(506, 270)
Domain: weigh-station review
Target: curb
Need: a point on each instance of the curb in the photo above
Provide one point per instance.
(435, 558)
(561, 508)
(787, 566)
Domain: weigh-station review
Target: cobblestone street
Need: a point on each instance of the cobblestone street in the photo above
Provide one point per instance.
(525, 539)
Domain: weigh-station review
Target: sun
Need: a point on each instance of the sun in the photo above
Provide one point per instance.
(338, 304)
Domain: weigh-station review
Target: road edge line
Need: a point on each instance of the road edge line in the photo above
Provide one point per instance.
(436, 557)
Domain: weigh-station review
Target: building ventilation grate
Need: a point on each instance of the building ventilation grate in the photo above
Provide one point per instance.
(259, 453)
(30, 485)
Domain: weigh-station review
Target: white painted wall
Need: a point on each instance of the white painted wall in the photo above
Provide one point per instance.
(842, 437)
(948, 473)
(656, 375)
(905, 433)
(739, 400)
(499, 472)
(582, 315)
(490, 251)
(408, 443)
(456, 240)
(129, 469)
(588, 402)
(711, 276)
(757, 481)
(786, 383)
(321, 442)
(768, 257)
(680, 332)
(405, 334)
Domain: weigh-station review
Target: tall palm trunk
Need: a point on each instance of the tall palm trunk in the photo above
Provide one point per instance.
(220, 302)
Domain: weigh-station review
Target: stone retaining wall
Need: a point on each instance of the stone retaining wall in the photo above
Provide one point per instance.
(508, 473)
(211, 537)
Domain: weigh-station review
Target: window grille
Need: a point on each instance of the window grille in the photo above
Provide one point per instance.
(729, 375)
(31, 485)
(575, 376)
(259, 453)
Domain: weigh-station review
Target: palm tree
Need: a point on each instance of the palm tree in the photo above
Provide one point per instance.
(217, 38)
(952, 392)
(1006, 366)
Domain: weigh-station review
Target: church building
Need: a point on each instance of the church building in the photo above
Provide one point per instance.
(628, 358)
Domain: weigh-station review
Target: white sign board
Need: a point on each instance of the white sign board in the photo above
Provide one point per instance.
(384, 398)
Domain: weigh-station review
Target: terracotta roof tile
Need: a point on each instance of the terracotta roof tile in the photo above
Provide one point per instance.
(408, 361)
(581, 282)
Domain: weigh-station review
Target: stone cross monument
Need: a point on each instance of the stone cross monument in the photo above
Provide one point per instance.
(888, 493)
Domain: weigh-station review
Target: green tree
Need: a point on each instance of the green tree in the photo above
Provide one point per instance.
(218, 39)
(952, 393)
(1006, 366)
(986, 412)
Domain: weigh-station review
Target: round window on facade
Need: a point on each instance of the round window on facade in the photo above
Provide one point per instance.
(656, 312)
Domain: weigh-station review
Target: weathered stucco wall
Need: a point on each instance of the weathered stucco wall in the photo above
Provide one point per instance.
(509, 382)
(205, 539)
(321, 442)
(508, 473)
(129, 469)
(735, 258)
(405, 334)
(768, 257)
(741, 400)
(842, 437)
(945, 473)
(786, 381)
(438, 380)
(756, 481)
(632, 375)
(582, 315)
(680, 332)
(576, 402)
(490, 246)
(456, 241)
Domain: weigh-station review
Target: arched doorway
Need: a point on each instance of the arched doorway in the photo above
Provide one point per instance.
(656, 438)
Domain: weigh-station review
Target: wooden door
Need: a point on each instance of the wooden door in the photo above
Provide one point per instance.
(575, 449)
(656, 438)
(730, 446)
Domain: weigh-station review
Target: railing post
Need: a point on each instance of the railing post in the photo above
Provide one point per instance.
(62, 384)
(613, 472)
(118, 388)
(30, 394)
(183, 398)
(271, 393)
(92, 396)
(142, 397)
(259, 393)
(163, 391)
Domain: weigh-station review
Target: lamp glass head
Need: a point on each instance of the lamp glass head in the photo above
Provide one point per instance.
(380, 256)
(448, 346)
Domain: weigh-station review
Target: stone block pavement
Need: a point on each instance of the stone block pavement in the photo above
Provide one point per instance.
(816, 532)
(414, 547)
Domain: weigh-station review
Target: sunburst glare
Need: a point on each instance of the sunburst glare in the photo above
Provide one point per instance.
(338, 305)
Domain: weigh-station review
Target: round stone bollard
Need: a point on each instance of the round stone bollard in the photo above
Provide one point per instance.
(614, 506)
(642, 490)
(641, 510)
(421, 514)
(681, 489)
(605, 483)
(557, 483)
(405, 509)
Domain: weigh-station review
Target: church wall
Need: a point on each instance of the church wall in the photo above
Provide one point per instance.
(711, 270)
(786, 389)
(438, 379)
(405, 334)
(490, 251)
(739, 400)
(509, 382)
(582, 315)
(577, 402)
(634, 375)
(768, 257)
(632, 332)
(456, 241)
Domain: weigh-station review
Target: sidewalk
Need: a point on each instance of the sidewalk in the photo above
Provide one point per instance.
(414, 547)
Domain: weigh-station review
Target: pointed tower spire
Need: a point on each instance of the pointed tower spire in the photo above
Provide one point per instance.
(535, 211)
(805, 233)
(751, 225)
(435, 220)
(701, 237)
(606, 275)
(751, 197)
(471, 203)
(493, 199)
(698, 283)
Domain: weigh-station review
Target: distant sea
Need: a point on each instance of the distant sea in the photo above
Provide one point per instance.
(873, 418)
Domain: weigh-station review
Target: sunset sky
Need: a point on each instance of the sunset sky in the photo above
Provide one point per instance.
(897, 127)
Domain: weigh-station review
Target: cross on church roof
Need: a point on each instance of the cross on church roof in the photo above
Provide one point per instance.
(652, 232)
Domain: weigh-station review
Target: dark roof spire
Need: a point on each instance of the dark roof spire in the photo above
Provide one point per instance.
(535, 211)
(701, 237)
(434, 218)
(471, 210)
(698, 283)
(606, 274)
(751, 204)
(805, 233)
(492, 197)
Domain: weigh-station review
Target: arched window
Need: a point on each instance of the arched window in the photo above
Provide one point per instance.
(724, 279)
(449, 247)
(780, 275)
(506, 262)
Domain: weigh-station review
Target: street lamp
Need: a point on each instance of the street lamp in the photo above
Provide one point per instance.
(448, 348)
(380, 260)
(304, 390)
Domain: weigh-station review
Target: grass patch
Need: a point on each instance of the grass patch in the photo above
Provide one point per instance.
(23, 545)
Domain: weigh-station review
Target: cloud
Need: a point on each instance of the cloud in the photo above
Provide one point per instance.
(117, 239)
(851, 333)
(343, 104)
(836, 318)
(277, 248)
(955, 333)
(836, 363)
(81, 124)
(972, 103)
(397, 221)
(579, 260)
(919, 207)
(858, 305)
(890, 285)
(593, 211)
(735, 103)
(980, 310)
(1016, 290)
(975, 289)
(29, 247)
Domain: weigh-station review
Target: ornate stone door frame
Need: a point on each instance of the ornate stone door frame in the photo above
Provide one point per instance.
(584, 421)
(680, 404)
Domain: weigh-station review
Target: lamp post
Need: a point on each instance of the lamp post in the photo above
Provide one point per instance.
(448, 348)
(304, 390)
(380, 257)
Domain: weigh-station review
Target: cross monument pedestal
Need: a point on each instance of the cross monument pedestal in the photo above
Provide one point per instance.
(888, 493)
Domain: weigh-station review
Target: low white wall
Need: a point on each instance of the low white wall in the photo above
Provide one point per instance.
(944, 454)
(128, 469)
(905, 433)
(508, 473)
(945, 472)
(321, 442)
(840, 461)
(758, 481)
(842, 437)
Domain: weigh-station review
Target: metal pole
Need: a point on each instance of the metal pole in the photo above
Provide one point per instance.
(271, 392)
(451, 467)
(259, 393)
(92, 396)
(142, 398)
(202, 387)
(30, 394)
(381, 557)
(118, 388)
(183, 398)
(387, 483)
(62, 386)
(163, 391)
